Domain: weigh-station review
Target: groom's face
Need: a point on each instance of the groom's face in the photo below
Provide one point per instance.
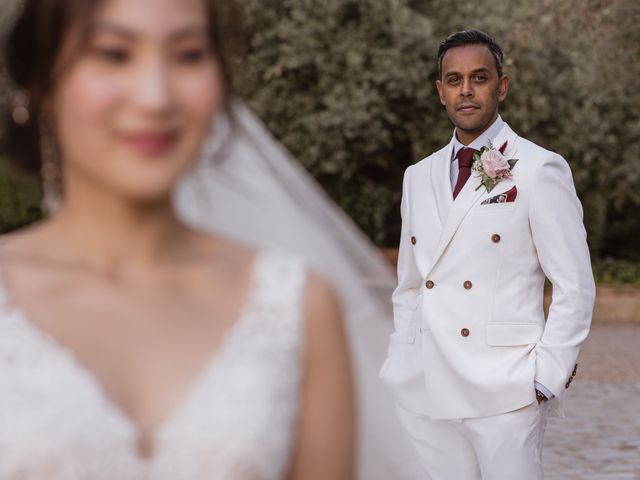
(470, 89)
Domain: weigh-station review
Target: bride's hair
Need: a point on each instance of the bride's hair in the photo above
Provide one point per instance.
(32, 47)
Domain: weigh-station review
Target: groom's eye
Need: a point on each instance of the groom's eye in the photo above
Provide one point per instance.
(480, 78)
(453, 80)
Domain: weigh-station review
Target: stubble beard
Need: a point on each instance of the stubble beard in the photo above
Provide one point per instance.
(472, 126)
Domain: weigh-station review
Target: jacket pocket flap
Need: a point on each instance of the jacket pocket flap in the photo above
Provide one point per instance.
(511, 334)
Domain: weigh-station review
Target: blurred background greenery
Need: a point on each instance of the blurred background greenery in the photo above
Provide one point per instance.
(348, 87)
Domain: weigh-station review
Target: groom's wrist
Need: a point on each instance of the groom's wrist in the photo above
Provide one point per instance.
(543, 390)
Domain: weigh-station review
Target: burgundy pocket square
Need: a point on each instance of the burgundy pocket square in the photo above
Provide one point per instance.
(505, 197)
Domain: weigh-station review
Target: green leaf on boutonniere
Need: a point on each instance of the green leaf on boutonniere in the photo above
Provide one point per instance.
(487, 182)
(512, 163)
(490, 184)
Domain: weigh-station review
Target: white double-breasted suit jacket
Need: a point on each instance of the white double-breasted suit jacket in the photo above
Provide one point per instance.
(470, 333)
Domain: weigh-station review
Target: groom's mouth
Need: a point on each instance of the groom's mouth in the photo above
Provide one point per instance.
(467, 108)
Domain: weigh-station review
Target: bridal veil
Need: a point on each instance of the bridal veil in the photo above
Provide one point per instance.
(247, 187)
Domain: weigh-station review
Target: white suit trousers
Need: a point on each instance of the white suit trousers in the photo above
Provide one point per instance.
(501, 447)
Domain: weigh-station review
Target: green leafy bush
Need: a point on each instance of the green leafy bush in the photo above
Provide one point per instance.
(19, 199)
(348, 87)
(617, 272)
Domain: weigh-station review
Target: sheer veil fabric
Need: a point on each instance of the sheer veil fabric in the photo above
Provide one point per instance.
(247, 187)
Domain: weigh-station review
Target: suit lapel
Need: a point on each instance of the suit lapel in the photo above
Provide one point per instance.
(509, 136)
(468, 196)
(441, 183)
(463, 202)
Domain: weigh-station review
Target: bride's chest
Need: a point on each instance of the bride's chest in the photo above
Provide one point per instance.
(55, 418)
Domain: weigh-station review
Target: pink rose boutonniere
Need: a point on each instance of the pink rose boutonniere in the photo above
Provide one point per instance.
(492, 166)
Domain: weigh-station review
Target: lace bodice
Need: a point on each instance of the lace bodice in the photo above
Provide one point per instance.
(236, 423)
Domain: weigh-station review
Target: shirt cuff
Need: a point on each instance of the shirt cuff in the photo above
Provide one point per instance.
(544, 390)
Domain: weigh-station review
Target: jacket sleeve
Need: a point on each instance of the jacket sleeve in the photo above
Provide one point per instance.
(405, 296)
(559, 236)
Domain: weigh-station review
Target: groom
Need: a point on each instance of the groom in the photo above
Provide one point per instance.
(473, 364)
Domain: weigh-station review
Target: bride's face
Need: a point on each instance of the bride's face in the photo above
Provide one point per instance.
(131, 109)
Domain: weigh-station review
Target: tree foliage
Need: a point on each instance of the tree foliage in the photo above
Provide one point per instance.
(347, 85)
(344, 85)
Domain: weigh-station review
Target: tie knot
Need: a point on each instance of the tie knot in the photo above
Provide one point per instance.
(465, 157)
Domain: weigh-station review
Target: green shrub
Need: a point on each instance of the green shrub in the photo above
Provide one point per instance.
(347, 86)
(617, 272)
(19, 199)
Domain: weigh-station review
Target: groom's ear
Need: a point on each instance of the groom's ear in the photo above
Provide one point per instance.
(440, 93)
(503, 88)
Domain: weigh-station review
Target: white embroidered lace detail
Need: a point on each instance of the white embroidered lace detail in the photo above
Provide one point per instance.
(236, 423)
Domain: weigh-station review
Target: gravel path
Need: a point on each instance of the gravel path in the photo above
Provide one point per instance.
(600, 437)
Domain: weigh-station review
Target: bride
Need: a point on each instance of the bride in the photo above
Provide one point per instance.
(131, 345)
(120, 302)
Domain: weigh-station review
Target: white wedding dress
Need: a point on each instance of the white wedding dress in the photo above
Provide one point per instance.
(236, 423)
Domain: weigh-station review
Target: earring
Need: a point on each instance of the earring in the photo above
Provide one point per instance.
(50, 169)
(20, 100)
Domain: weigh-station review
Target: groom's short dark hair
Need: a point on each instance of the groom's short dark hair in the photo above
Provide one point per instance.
(471, 37)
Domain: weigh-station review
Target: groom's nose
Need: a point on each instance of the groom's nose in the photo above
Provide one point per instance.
(466, 88)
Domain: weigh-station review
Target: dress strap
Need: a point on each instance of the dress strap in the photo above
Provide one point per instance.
(277, 302)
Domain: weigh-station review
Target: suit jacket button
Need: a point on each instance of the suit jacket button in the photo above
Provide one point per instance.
(495, 238)
(413, 240)
(429, 284)
(464, 332)
(468, 285)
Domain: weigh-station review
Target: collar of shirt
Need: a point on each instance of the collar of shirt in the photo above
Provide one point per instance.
(482, 141)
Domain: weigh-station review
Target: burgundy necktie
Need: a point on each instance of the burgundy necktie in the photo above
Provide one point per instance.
(465, 159)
